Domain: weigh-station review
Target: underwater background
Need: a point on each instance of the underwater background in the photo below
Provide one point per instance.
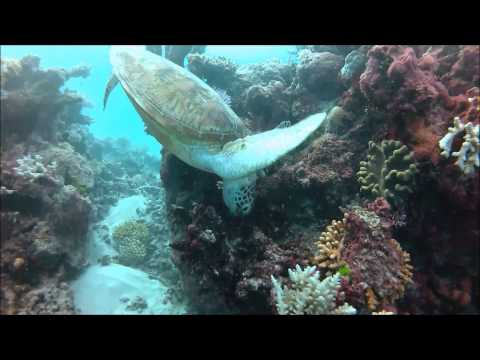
(375, 213)
(122, 120)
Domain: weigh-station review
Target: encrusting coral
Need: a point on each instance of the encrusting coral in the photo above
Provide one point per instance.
(131, 238)
(468, 156)
(388, 172)
(378, 270)
(307, 295)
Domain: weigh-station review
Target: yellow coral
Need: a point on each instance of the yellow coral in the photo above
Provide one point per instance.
(372, 301)
(329, 246)
(131, 240)
(406, 274)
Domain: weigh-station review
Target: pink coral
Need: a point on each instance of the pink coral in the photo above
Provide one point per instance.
(465, 73)
(394, 80)
(380, 269)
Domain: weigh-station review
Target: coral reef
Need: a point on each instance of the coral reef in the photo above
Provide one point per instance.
(388, 172)
(130, 239)
(44, 218)
(468, 156)
(411, 88)
(465, 72)
(219, 72)
(377, 269)
(353, 67)
(176, 53)
(266, 94)
(33, 102)
(57, 180)
(318, 73)
(307, 295)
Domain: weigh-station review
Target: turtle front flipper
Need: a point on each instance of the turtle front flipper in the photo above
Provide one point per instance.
(241, 160)
(110, 86)
(252, 153)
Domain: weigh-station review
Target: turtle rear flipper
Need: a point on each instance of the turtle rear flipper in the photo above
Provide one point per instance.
(239, 194)
(110, 86)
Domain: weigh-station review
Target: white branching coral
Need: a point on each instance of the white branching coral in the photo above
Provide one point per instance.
(468, 157)
(307, 295)
(32, 167)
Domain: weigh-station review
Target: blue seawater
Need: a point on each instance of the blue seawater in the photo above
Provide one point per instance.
(120, 120)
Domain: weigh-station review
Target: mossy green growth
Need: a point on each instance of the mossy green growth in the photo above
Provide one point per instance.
(82, 189)
(344, 270)
(131, 239)
(389, 171)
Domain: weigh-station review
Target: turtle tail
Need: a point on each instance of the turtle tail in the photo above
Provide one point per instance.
(110, 86)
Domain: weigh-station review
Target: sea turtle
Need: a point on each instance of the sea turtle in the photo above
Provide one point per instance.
(191, 120)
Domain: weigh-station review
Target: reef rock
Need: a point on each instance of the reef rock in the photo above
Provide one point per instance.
(318, 73)
(45, 210)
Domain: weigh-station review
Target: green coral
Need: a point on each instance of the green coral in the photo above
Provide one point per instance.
(388, 172)
(81, 188)
(131, 241)
(344, 270)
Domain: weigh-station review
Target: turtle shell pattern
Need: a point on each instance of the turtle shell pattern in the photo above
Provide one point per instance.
(173, 101)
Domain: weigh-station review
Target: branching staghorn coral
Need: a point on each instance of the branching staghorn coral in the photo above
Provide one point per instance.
(388, 172)
(307, 295)
(468, 156)
(131, 239)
